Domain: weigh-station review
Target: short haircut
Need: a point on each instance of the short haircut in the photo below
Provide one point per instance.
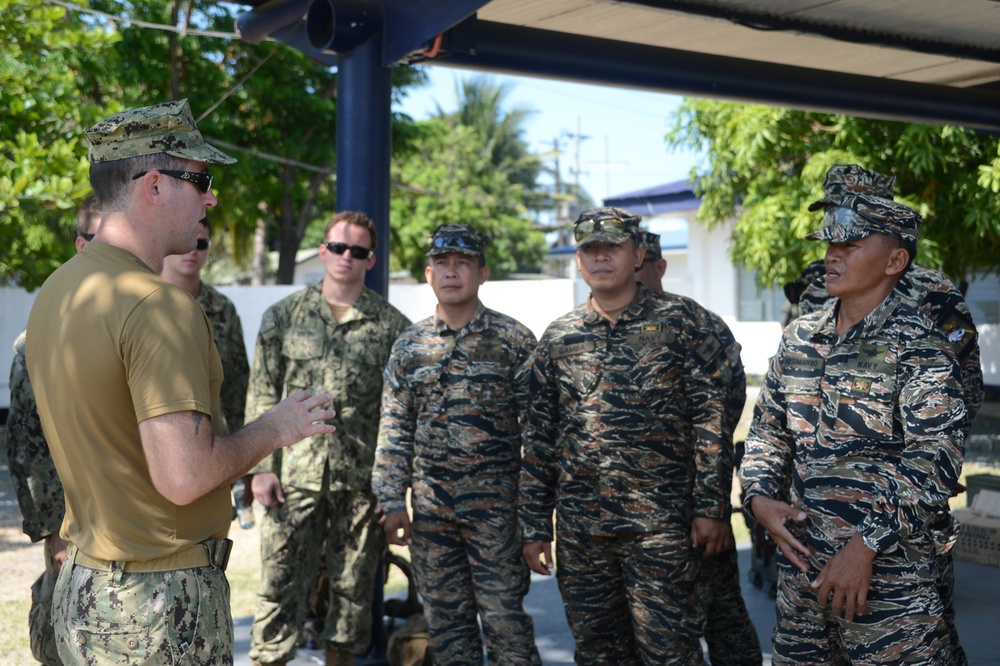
(88, 216)
(112, 180)
(356, 218)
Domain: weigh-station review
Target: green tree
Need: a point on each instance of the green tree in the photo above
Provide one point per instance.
(448, 177)
(48, 70)
(267, 104)
(500, 129)
(765, 165)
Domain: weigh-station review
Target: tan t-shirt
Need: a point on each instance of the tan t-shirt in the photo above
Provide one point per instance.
(111, 344)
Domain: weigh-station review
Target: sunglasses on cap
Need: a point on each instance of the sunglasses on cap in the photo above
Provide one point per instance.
(462, 241)
(357, 251)
(848, 218)
(606, 225)
(200, 179)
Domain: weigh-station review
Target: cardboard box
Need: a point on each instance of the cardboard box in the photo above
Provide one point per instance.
(977, 482)
(978, 537)
(987, 503)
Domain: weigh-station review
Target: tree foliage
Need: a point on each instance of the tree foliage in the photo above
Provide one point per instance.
(267, 104)
(471, 165)
(47, 73)
(449, 178)
(765, 165)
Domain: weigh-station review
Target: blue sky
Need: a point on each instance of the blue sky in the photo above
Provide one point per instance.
(624, 149)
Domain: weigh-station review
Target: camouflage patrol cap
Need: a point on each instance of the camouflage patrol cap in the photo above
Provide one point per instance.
(456, 238)
(161, 128)
(844, 180)
(650, 244)
(860, 215)
(606, 225)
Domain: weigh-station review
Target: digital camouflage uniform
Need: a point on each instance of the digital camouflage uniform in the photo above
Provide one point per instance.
(450, 431)
(39, 495)
(625, 442)
(865, 434)
(329, 509)
(232, 350)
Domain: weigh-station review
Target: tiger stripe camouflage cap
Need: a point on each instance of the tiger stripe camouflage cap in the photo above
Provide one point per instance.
(456, 239)
(859, 203)
(161, 128)
(845, 180)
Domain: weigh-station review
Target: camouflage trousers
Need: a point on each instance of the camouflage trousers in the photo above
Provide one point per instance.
(903, 621)
(632, 598)
(467, 560)
(40, 632)
(731, 637)
(337, 529)
(168, 618)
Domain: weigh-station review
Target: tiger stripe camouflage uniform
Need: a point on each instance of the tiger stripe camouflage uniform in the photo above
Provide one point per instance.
(624, 441)
(329, 508)
(935, 295)
(39, 494)
(232, 351)
(869, 428)
(450, 432)
(729, 632)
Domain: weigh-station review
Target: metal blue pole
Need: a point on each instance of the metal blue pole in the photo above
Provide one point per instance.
(364, 145)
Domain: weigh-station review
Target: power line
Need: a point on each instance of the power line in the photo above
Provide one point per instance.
(183, 31)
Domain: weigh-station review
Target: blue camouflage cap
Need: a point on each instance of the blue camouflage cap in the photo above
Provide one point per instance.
(458, 239)
(161, 128)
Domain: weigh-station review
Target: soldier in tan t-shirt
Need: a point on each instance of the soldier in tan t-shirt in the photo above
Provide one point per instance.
(127, 378)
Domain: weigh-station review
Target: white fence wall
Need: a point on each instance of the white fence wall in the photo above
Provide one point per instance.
(535, 303)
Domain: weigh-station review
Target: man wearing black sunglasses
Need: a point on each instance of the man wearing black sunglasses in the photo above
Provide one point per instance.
(334, 337)
(127, 377)
(624, 444)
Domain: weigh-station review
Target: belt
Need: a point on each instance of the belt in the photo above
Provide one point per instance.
(211, 553)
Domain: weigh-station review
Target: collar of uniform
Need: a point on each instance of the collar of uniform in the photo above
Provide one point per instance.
(362, 308)
(869, 326)
(477, 323)
(635, 310)
(209, 299)
(874, 321)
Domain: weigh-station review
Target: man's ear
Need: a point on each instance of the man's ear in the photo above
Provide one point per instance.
(898, 259)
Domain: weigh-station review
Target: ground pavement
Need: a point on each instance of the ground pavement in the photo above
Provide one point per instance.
(977, 602)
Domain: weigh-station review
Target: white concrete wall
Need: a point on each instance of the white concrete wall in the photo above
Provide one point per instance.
(535, 303)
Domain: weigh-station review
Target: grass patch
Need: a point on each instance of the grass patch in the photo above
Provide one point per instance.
(14, 645)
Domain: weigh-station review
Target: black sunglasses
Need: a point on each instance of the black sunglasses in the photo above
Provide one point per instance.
(200, 179)
(87, 237)
(357, 251)
(202, 244)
